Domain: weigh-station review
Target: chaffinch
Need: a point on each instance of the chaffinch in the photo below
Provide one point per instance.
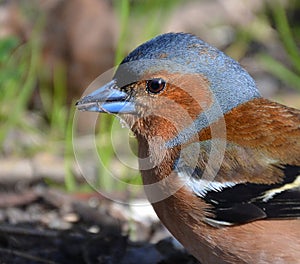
(219, 163)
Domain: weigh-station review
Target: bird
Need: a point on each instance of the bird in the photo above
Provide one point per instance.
(220, 164)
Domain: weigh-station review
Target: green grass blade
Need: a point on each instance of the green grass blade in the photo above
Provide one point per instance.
(285, 33)
(280, 70)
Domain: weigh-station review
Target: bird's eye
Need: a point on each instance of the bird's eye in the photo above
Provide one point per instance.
(156, 85)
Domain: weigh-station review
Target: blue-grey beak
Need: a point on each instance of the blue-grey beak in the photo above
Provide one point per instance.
(107, 99)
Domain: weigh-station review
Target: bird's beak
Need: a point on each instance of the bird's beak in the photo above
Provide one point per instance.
(107, 99)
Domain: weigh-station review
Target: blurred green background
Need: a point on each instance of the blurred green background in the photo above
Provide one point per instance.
(50, 51)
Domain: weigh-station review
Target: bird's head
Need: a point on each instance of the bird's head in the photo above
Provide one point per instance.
(170, 83)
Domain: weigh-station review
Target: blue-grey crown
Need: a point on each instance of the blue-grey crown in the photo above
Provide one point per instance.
(186, 53)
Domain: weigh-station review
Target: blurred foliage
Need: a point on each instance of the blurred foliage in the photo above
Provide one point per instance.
(18, 70)
(288, 34)
(140, 21)
(21, 70)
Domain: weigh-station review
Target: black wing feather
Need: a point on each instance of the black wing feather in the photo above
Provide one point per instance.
(247, 202)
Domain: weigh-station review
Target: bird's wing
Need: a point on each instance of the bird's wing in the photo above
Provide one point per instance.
(255, 181)
(236, 199)
(246, 202)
